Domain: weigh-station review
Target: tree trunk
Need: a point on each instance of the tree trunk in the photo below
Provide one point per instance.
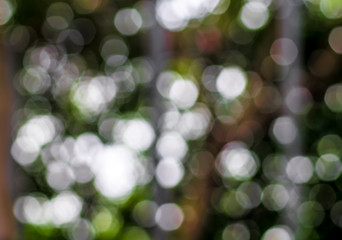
(6, 214)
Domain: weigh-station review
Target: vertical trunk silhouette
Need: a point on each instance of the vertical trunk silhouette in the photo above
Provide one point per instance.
(290, 28)
(157, 47)
(6, 216)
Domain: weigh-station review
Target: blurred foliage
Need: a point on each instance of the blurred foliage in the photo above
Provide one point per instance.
(85, 141)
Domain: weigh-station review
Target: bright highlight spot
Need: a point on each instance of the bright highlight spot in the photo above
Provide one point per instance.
(333, 98)
(35, 80)
(91, 96)
(81, 229)
(172, 145)
(137, 134)
(275, 197)
(278, 233)
(59, 175)
(249, 194)
(284, 130)
(34, 134)
(175, 14)
(328, 167)
(115, 169)
(236, 161)
(66, 208)
(231, 82)
(169, 172)
(6, 11)
(331, 8)
(31, 209)
(183, 93)
(194, 124)
(128, 21)
(169, 217)
(254, 15)
(165, 81)
(335, 39)
(299, 169)
(114, 51)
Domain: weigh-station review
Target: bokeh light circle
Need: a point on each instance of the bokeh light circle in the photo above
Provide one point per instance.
(237, 162)
(183, 93)
(284, 130)
(328, 167)
(299, 169)
(169, 172)
(335, 39)
(278, 233)
(6, 11)
(333, 98)
(128, 21)
(331, 8)
(284, 51)
(169, 216)
(254, 15)
(231, 82)
(236, 231)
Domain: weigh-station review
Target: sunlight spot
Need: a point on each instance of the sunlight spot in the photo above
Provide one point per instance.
(278, 233)
(115, 171)
(328, 167)
(169, 217)
(275, 197)
(236, 161)
(299, 169)
(59, 175)
(331, 8)
(183, 93)
(137, 134)
(91, 96)
(171, 144)
(194, 124)
(335, 39)
(169, 172)
(66, 208)
(6, 11)
(284, 130)
(231, 82)
(175, 14)
(333, 98)
(254, 15)
(35, 133)
(114, 51)
(128, 21)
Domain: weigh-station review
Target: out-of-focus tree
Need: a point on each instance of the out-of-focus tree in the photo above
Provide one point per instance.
(176, 119)
(6, 215)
